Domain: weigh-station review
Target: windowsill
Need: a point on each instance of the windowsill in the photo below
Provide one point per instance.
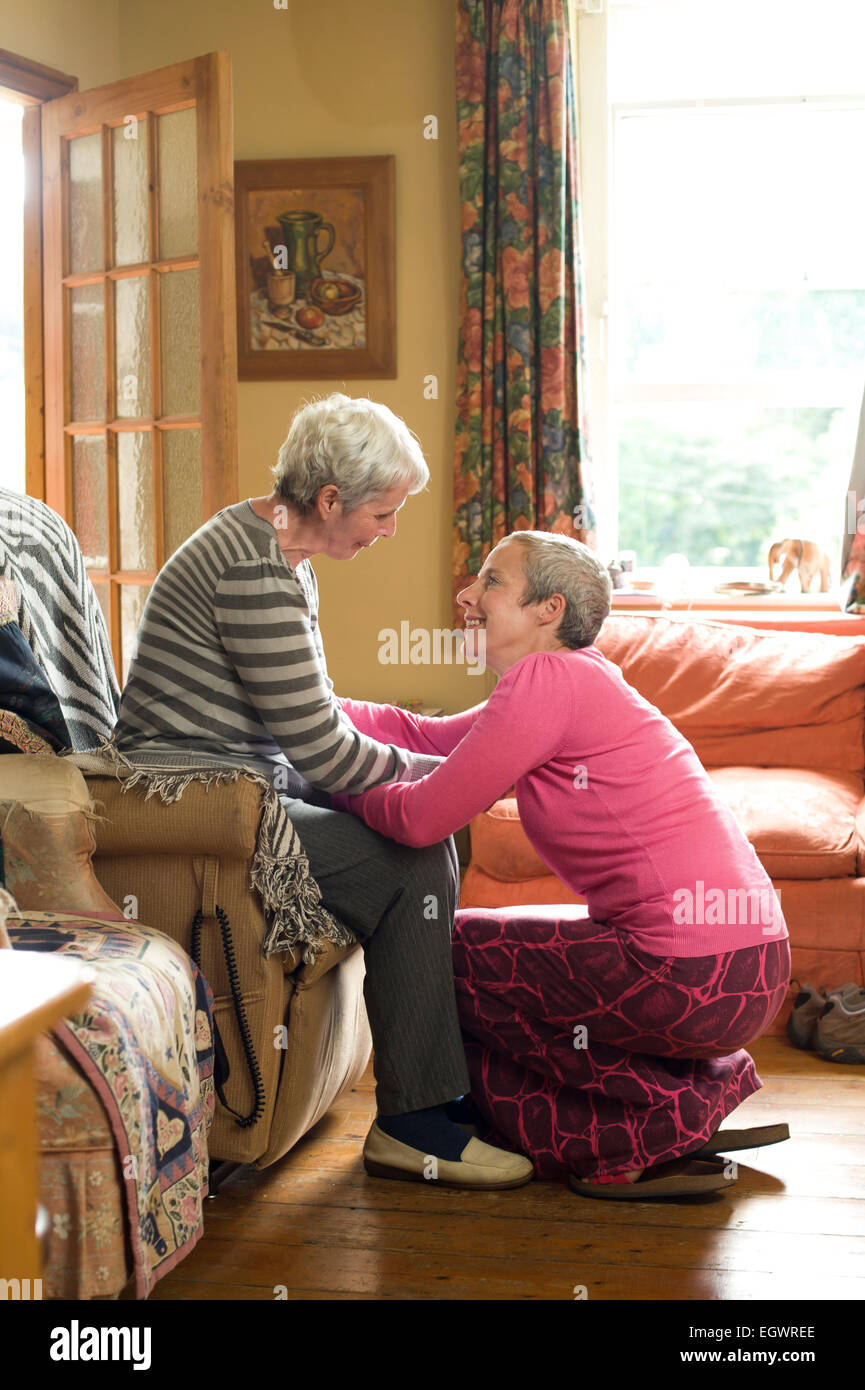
(764, 603)
(808, 612)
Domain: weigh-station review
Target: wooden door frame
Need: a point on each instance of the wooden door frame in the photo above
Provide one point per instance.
(31, 84)
(207, 80)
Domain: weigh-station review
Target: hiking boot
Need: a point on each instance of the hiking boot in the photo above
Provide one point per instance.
(840, 1031)
(810, 1003)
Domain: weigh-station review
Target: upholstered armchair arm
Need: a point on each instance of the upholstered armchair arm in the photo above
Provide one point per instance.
(220, 819)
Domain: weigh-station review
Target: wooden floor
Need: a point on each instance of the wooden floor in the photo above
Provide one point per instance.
(792, 1228)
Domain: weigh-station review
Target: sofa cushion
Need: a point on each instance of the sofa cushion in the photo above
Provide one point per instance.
(744, 697)
(801, 823)
(47, 840)
(501, 847)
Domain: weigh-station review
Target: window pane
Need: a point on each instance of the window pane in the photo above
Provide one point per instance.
(132, 345)
(131, 243)
(666, 49)
(85, 202)
(178, 183)
(668, 334)
(90, 498)
(135, 501)
(181, 382)
(720, 484)
(87, 334)
(756, 198)
(181, 486)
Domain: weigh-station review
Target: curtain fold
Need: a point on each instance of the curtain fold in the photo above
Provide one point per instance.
(521, 447)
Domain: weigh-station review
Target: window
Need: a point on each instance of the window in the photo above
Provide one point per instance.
(722, 208)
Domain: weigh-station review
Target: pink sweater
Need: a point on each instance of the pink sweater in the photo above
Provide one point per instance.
(613, 798)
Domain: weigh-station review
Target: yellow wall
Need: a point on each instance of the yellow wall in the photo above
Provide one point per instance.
(79, 37)
(329, 77)
(338, 77)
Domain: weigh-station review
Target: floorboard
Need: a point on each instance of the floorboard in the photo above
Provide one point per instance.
(314, 1226)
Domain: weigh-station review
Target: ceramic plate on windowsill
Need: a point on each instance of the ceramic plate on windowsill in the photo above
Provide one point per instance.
(747, 587)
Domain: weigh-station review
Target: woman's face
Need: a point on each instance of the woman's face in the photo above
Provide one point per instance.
(499, 631)
(346, 536)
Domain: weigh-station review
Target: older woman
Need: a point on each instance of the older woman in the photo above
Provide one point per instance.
(607, 1044)
(229, 662)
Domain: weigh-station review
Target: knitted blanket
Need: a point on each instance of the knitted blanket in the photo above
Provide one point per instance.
(59, 615)
(144, 1040)
(297, 919)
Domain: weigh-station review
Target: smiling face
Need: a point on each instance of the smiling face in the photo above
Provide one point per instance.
(346, 536)
(492, 603)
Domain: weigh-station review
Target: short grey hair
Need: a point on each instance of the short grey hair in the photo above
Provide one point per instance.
(358, 445)
(556, 564)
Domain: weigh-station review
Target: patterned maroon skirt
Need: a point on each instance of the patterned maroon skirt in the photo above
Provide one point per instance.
(592, 1056)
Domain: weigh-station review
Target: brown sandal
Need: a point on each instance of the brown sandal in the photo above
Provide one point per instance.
(726, 1140)
(682, 1177)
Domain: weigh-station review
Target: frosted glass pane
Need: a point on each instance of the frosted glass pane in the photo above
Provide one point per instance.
(132, 345)
(102, 595)
(87, 341)
(178, 183)
(85, 202)
(132, 600)
(181, 382)
(135, 501)
(90, 498)
(181, 486)
(130, 194)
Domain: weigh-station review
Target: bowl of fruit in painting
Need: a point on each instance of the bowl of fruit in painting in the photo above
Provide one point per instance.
(334, 296)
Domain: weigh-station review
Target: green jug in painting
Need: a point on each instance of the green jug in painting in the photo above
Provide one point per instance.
(301, 231)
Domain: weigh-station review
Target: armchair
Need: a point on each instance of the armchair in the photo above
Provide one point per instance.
(294, 1034)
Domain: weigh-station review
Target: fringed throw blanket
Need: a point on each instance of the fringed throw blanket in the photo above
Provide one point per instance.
(145, 1042)
(59, 615)
(297, 918)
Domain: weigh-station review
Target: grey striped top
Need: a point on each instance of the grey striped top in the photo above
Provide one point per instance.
(229, 662)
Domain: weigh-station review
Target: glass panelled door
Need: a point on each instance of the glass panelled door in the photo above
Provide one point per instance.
(140, 425)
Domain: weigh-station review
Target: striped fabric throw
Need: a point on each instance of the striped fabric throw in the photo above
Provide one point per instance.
(59, 615)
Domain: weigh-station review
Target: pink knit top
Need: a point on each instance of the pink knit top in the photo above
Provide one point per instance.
(611, 796)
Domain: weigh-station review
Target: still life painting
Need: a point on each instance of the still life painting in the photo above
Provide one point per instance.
(315, 271)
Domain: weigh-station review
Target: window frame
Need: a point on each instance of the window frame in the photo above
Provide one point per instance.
(597, 134)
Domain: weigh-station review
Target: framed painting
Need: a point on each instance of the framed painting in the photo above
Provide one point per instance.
(315, 268)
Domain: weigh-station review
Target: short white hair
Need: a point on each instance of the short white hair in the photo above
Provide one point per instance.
(356, 444)
(557, 564)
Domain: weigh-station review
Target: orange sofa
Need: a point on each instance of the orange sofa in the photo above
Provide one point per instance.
(778, 721)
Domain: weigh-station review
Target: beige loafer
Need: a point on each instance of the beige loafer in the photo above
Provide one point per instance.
(480, 1166)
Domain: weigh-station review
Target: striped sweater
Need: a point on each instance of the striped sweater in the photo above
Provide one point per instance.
(229, 663)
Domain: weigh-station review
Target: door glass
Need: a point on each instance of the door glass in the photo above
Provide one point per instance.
(178, 331)
(132, 600)
(87, 346)
(90, 498)
(135, 501)
(178, 183)
(132, 345)
(130, 193)
(85, 203)
(181, 486)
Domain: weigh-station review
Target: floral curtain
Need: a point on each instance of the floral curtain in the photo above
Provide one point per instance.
(521, 457)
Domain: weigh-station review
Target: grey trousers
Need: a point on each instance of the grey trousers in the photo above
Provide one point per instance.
(400, 903)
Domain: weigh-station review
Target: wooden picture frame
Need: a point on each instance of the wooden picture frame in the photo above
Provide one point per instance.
(315, 268)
